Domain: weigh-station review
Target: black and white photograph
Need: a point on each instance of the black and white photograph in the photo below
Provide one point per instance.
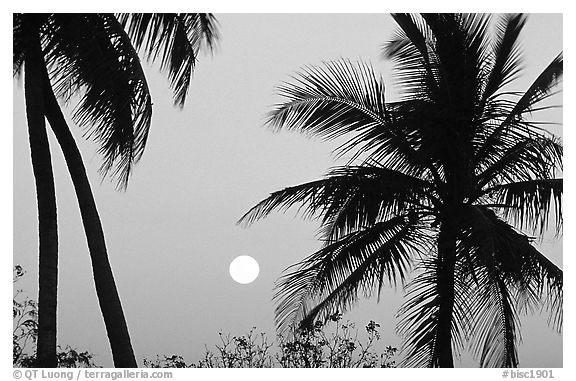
(287, 190)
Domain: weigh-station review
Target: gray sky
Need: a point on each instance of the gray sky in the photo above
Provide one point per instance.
(172, 235)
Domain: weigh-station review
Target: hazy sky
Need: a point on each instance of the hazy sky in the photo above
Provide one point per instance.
(172, 235)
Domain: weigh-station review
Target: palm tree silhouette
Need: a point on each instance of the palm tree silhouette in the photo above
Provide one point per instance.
(448, 178)
(94, 56)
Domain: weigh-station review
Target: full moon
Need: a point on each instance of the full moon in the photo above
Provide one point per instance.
(244, 269)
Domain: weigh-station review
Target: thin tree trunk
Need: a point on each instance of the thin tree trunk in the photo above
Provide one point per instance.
(46, 196)
(443, 357)
(108, 298)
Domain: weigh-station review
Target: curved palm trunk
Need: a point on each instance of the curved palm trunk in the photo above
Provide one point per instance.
(46, 196)
(108, 298)
(443, 357)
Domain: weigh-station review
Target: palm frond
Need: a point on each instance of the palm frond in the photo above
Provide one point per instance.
(528, 203)
(352, 96)
(411, 143)
(420, 317)
(495, 332)
(509, 121)
(374, 194)
(541, 287)
(529, 158)
(18, 43)
(539, 89)
(490, 255)
(506, 274)
(329, 101)
(349, 198)
(341, 98)
(486, 241)
(411, 50)
(475, 27)
(505, 59)
(207, 30)
(91, 55)
(176, 39)
(334, 275)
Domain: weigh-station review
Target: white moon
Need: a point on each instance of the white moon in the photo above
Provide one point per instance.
(244, 269)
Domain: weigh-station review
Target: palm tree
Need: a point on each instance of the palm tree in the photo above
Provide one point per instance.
(94, 56)
(439, 188)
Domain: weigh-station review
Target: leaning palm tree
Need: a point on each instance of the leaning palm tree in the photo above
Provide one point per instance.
(94, 57)
(440, 193)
